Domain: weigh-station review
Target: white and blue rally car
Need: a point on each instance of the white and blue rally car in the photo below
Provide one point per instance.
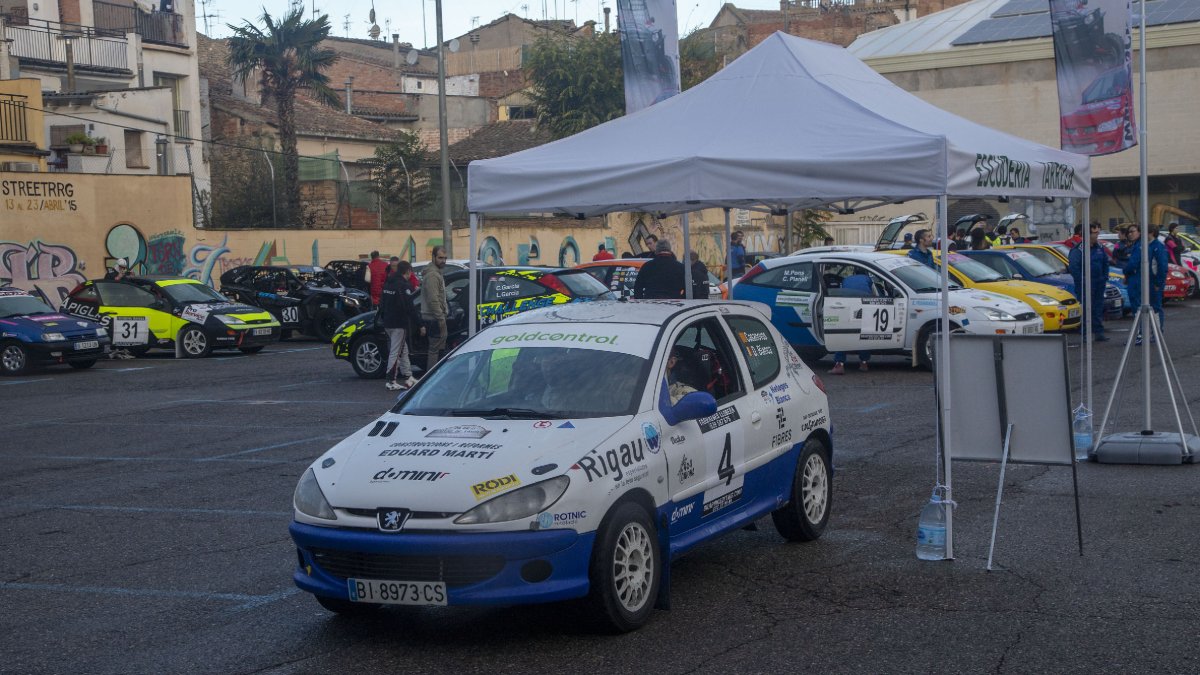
(566, 452)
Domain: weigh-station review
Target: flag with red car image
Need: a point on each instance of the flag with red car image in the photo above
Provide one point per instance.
(1092, 60)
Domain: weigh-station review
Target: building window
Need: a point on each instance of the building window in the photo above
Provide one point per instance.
(418, 84)
(521, 112)
(133, 150)
(59, 133)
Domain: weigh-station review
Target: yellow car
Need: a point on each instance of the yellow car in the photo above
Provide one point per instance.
(1059, 310)
(190, 317)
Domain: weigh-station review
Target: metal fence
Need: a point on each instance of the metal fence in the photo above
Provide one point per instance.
(47, 41)
(157, 27)
(12, 119)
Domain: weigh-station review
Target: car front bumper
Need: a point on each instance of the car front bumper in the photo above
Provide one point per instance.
(987, 327)
(65, 352)
(479, 568)
(244, 336)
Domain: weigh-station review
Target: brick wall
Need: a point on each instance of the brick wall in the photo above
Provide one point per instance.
(499, 84)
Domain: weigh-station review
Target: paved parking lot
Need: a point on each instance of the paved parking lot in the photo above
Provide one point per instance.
(144, 508)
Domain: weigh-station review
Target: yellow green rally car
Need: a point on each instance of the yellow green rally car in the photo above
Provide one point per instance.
(143, 313)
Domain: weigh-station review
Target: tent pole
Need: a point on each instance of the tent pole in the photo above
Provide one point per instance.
(728, 255)
(1086, 318)
(473, 278)
(687, 259)
(942, 362)
(1144, 270)
(787, 228)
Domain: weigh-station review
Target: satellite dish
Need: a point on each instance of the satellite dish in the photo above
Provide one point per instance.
(453, 46)
(412, 57)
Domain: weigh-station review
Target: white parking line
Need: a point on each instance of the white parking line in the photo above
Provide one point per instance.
(44, 379)
(326, 437)
(148, 509)
(195, 460)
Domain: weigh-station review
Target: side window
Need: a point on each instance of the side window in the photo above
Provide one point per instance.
(599, 273)
(86, 294)
(996, 262)
(762, 355)
(794, 277)
(456, 291)
(853, 281)
(502, 288)
(124, 295)
(701, 359)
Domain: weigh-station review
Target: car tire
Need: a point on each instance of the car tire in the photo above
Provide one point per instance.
(625, 570)
(345, 607)
(194, 343)
(14, 359)
(368, 356)
(285, 334)
(82, 365)
(326, 324)
(806, 514)
(924, 345)
(250, 350)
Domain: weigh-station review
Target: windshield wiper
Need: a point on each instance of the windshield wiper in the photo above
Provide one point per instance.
(510, 413)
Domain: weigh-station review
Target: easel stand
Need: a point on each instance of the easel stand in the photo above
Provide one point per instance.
(1148, 446)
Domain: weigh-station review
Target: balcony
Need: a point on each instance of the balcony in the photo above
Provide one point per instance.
(164, 28)
(182, 124)
(12, 119)
(39, 40)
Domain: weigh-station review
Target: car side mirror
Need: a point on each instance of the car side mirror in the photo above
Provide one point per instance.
(693, 406)
(1018, 275)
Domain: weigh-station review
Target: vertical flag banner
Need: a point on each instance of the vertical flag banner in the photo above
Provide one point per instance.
(649, 51)
(1092, 61)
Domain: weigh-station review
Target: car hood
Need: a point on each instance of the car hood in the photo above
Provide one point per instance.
(451, 464)
(1017, 288)
(52, 323)
(199, 312)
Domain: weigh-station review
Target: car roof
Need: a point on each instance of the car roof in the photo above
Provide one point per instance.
(615, 262)
(8, 292)
(864, 256)
(648, 312)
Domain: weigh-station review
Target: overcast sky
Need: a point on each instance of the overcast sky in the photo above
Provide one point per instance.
(458, 16)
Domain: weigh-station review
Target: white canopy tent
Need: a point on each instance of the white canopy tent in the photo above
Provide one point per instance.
(791, 124)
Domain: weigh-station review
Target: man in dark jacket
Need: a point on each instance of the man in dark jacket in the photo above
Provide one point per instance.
(1099, 263)
(661, 277)
(699, 278)
(396, 313)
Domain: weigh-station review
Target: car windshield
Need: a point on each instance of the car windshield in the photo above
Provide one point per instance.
(920, 279)
(1048, 259)
(18, 305)
(974, 270)
(584, 285)
(531, 383)
(1110, 85)
(1033, 266)
(188, 293)
(319, 277)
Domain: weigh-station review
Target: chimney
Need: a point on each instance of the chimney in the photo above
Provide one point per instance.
(395, 51)
(607, 11)
(349, 94)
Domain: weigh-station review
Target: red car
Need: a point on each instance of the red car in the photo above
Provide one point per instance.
(1103, 122)
(1179, 281)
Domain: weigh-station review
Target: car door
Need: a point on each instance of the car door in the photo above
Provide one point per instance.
(705, 457)
(270, 289)
(792, 290)
(135, 315)
(502, 293)
(768, 393)
(860, 310)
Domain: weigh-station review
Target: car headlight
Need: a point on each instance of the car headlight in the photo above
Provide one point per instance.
(101, 332)
(309, 499)
(1042, 299)
(229, 320)
(1176, 274)
(53, 337)
(1111, 125)
(517, 504)
(995, 314)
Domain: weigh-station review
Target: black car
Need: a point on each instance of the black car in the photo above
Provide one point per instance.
(350, 273)
(304, 298)
(503, 291)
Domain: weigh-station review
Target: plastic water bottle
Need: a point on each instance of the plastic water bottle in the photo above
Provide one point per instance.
(1082, 429)
(931, 530)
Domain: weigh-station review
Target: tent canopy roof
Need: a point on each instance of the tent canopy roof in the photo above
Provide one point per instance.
(792, 123)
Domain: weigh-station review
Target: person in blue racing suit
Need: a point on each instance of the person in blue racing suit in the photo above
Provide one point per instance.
(1099, 264)
(1157, 276)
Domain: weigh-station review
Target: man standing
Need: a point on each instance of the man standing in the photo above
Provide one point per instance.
(737, 252)
(396, 314)
(602, 254)
(375, 275)
(661, 277)
(921, 252)
(1099, 264)
(1157, 277)
(118, 272)
(699, 278)
(433, 306)
(651, 242)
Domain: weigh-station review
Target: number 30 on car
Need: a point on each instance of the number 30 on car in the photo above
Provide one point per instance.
(570, 452)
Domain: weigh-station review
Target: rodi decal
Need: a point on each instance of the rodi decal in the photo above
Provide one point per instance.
(494, 486)
(613, 462)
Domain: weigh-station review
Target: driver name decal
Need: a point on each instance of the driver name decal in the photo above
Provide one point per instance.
(718, 419)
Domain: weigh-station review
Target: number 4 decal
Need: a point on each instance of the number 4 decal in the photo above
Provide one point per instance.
(725, 470)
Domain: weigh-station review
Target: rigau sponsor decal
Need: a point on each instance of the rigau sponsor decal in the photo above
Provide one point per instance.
(718, 419)
(388, 475)
(494, 486)
(583, 338)
(1000, 171)
(612, 463)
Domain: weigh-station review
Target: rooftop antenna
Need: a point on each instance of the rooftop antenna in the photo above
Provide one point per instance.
(207, 16)
(525, 10)
(474, 21)
(346, 24)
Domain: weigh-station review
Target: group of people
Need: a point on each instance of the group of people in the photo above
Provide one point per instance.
(393, 286)
(662, 277)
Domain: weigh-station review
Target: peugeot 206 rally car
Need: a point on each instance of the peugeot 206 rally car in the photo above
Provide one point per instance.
(570, 451)
(32, 333)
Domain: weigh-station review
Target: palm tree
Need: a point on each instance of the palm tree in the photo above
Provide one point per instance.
(289, 56)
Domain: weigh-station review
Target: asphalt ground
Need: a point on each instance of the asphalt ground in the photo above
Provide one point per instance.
(143, 529)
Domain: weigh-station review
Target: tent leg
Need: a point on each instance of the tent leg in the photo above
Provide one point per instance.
(687, 259)
(943, 357)
(728, 255)
(473, 282)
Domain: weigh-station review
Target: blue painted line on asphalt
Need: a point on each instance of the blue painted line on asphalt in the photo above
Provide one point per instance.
(43, 379)
(126, 370)
(196, 460)
(152, 509)
(244, 600)
(873, 408)
(251, 451)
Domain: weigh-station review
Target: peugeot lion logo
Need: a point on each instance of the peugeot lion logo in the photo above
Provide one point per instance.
(393, 520)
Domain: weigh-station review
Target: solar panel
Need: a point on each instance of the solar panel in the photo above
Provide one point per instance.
(1025, 19)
